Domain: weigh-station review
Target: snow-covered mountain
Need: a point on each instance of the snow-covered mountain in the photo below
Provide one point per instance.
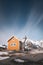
(29, 41)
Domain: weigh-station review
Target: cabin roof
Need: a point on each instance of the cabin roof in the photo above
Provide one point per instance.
(11, 38)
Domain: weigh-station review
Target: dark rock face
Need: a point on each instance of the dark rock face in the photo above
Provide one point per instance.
(17, 63)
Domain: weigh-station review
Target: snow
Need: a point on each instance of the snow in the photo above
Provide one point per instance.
(1, 53)
(37, 43)
(18, 60)
(2, 58)
(2, 46)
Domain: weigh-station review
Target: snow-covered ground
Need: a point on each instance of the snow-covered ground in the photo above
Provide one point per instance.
(2, 58)
(1, 53)
(2, 46)
(18, 60)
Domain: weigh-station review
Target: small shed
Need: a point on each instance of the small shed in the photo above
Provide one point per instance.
(13, 44)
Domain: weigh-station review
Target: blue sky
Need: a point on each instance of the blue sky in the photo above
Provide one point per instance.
(20, 18)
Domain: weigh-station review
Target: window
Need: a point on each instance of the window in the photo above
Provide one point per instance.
(13, 44)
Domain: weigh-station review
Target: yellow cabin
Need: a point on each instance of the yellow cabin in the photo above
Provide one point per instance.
(13, 44)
